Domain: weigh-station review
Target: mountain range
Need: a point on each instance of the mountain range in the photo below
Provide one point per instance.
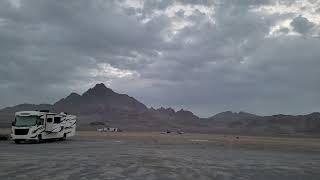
(101, 106)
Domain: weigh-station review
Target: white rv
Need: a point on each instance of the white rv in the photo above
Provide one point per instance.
(42, 125)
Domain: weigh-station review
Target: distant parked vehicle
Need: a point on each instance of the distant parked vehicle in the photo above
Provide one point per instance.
(180, 132)
(42, 125)
(109, 129)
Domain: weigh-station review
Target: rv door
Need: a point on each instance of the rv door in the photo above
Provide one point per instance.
(49, 122)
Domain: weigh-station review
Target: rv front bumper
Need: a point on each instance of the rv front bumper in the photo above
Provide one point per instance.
(24, 134)
(23, 137)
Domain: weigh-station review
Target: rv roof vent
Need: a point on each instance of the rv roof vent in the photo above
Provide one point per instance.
(44, 110)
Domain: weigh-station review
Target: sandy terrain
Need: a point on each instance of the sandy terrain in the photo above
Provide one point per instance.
(93, 155)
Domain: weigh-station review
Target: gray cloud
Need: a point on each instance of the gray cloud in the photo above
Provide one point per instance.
(301, 25)
(209, 57)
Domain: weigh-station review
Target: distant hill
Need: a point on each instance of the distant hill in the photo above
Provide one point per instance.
(243, 122)
(232, 116)
(101, 106)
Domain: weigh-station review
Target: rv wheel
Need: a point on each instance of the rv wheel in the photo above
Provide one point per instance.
(39, 138)
(17, 141)
(64, 137)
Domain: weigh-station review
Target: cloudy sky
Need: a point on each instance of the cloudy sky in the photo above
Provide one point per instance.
(260, 56)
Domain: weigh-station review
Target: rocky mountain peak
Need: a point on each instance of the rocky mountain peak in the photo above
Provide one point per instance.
(99, 90)
(186, 114)
(72, 98)
(73, 95)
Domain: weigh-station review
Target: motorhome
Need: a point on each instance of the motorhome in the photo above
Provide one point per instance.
(42, 125)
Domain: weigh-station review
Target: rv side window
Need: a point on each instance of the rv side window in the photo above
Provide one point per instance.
(49, 120)
(57, 120)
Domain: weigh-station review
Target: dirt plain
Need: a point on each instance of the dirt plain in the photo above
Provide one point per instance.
(152, 155)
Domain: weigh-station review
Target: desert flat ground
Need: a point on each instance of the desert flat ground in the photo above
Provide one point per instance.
(151, 155)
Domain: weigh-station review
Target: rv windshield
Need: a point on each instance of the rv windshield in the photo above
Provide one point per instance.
(26, 120)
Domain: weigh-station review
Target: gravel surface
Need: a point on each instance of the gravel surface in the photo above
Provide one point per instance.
(80, 158)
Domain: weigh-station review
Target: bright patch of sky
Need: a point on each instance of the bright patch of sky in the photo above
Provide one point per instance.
(15, 3)
(109, 71)
(177, 12)
(305, 8)
(308, 9)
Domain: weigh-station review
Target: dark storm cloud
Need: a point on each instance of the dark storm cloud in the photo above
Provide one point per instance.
(207, 56)
(302, 25)
(49, 47)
